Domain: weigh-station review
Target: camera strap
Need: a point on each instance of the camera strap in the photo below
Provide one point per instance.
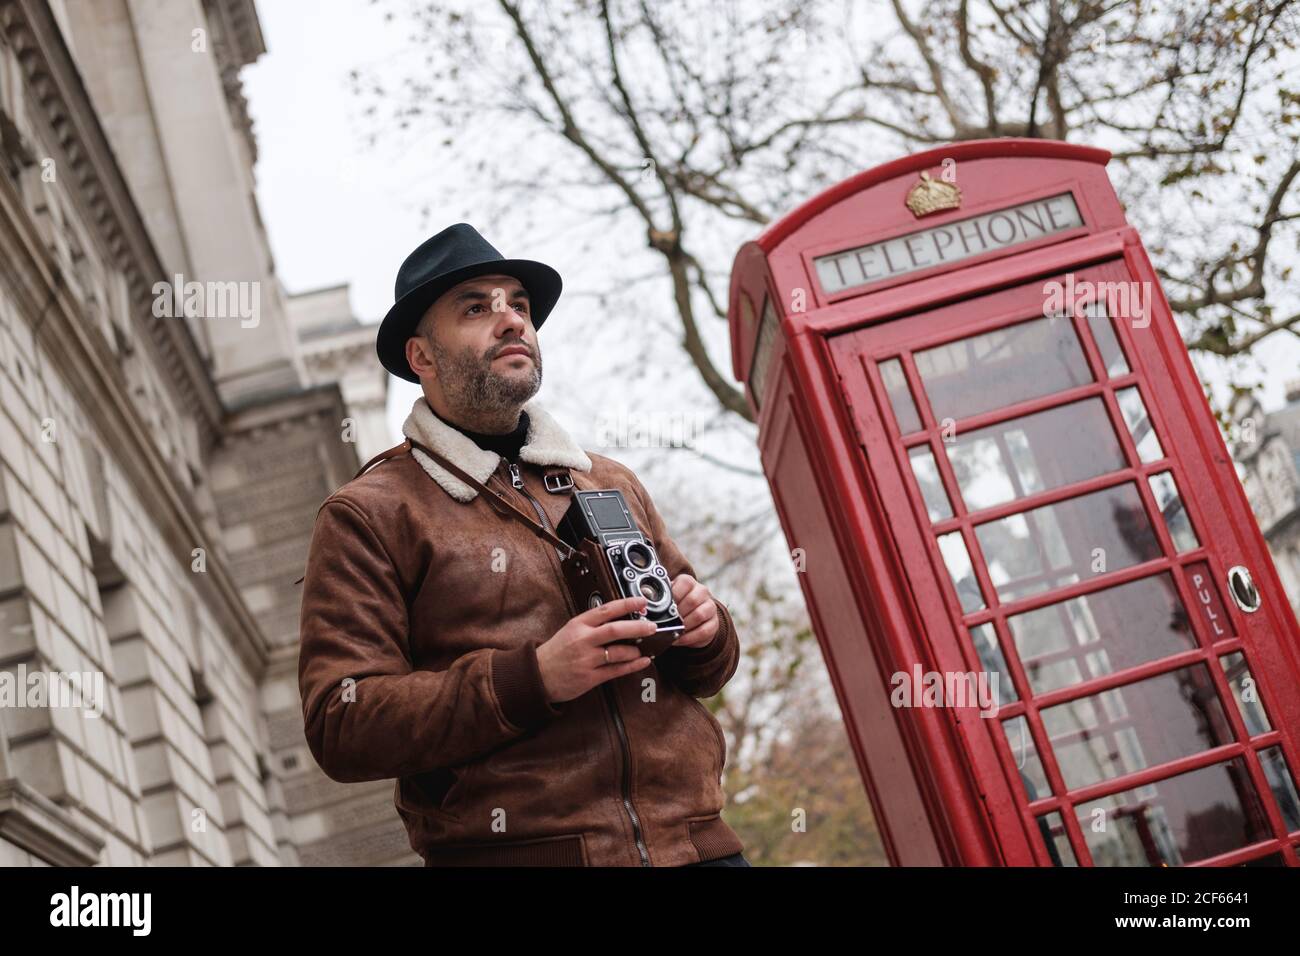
(496, 500)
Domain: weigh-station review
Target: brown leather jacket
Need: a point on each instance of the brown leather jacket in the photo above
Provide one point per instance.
(421, 616)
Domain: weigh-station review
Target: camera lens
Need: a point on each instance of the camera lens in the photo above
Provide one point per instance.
(638, 555)
(654, 591)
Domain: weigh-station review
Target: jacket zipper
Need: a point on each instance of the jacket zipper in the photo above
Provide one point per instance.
(627, 773)
(518, 482)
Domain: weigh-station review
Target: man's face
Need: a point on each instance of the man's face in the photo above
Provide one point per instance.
(476, 347)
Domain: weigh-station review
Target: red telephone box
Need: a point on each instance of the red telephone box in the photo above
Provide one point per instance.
(983, 433)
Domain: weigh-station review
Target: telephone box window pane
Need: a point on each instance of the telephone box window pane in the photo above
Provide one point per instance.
(764, 341)
(998, 368)
(957, 558)
(927, 476)
(1053, 833)
(1034, 453)
(1282, 784)
(993, 663)
(1139, 424)
(1030, 768)
(1103, 333)
(1137, 726)
(1246, 693)
(1190, 817)
(1100, 633)
(891, 374)
(1174, 512)
(1066, 542)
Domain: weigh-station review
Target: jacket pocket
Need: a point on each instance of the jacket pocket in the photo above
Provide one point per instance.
(438, 791)
(717, 731)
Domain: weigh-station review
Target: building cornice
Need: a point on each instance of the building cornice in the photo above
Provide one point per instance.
(32, 279)
(43, 828)
(101, 192)
(241, 28)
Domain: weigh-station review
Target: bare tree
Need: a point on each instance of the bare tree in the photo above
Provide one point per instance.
(694, 120)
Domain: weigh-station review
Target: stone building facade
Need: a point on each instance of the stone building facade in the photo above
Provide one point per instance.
(337, 349)
(160, 464)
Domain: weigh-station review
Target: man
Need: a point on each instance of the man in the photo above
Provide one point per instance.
(438, 645)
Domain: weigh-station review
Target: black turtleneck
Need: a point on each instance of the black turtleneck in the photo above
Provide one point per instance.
(506, 445)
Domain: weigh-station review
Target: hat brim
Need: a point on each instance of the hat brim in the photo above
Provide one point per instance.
(542, 282)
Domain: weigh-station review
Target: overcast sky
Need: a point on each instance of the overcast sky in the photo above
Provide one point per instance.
(332, 214)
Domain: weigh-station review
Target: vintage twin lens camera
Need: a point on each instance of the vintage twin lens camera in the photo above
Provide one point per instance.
(613, 560)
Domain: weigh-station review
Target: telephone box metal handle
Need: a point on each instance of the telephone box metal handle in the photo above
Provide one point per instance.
(1242, 588)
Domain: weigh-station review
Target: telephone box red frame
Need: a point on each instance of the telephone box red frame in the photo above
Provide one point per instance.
(941, 780)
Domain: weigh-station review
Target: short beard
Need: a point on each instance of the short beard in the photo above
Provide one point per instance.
(479, 397)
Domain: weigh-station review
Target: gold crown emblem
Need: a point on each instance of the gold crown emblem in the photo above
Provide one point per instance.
(931, 195)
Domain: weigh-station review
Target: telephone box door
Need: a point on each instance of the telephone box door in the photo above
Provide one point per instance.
(1073, 530)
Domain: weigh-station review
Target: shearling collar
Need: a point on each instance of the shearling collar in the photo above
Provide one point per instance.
(547, 444)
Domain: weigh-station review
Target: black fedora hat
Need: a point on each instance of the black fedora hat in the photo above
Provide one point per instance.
(454, 255)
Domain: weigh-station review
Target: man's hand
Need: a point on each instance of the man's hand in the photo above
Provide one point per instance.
(696, 609)
(579, 655)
